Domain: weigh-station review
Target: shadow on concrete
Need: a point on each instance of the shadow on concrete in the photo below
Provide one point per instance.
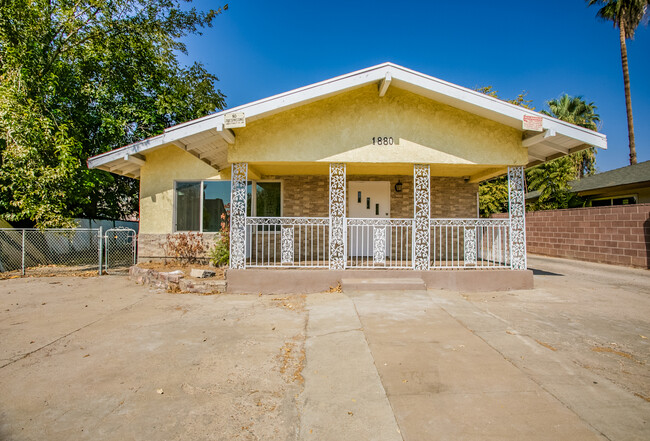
(539, 272)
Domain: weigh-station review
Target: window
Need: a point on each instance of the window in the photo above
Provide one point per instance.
(187, 206)
(268, 199)
(199, 205)
(620, 200)
(216, 202)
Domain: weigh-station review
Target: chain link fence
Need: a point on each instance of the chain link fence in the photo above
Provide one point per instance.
(28, 251)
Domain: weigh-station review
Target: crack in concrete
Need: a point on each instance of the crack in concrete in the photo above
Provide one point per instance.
(22, 357)
(335, 332)
(374, 363)
(521, 370)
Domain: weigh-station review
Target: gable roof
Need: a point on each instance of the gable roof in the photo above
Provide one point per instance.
(206, 137)
(631, 174)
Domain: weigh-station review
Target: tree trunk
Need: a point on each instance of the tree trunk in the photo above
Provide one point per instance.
(628, 95)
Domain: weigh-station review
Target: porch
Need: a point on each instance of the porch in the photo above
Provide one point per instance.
(345, 241)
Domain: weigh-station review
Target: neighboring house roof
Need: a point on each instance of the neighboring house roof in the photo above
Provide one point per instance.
(207, 139)
(628, 175)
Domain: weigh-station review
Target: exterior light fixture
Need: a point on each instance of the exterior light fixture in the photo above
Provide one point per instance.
(398, 186)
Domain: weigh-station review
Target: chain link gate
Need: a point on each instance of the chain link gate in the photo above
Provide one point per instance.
(119, 249)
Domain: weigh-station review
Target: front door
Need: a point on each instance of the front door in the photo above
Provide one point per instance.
(366, 200)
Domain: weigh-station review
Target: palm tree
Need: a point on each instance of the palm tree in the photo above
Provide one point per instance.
(626, 15)
(576, 110)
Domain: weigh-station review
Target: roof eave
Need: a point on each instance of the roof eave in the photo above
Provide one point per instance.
(463, 97)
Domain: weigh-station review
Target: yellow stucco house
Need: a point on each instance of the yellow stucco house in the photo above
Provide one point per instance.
(376, 169)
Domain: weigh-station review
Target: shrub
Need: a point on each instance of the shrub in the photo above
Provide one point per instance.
(184, 248)
(220, 254)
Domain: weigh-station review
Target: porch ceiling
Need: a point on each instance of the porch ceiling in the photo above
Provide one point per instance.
(475, 172)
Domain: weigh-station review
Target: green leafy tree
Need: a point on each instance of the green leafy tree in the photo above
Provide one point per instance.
(576, 110)
(79, 78)
(550, 179)
(493, 196)
(626, 15)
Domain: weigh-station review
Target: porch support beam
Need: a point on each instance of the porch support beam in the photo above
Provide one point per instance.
(227, 135)
(136, 159)
(557, 148)
(536, 139)
(517, 214)
(238, 181)
(254, 174)
(421, 215)
(383, 86)
(338, 252)
(191, 151)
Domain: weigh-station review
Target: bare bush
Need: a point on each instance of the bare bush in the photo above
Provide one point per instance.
(184, 248)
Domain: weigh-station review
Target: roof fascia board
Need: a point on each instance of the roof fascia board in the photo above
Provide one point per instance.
(129, 150)
(487, 102)
(576, 132)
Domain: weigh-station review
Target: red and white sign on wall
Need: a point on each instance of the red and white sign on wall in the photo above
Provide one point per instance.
(532, 122)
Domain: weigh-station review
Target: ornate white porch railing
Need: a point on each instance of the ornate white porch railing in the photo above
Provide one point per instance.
(287, 242)
(470, 243)
(379, 243)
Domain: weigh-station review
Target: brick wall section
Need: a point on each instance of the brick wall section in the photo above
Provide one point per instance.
(617, 235)
(450, 197)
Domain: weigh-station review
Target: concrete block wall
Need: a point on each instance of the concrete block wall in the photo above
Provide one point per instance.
(617, 235)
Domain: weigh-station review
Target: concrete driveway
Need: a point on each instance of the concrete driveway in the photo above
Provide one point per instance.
(103, 358)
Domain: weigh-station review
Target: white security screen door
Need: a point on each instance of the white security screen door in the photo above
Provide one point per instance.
(366, 200)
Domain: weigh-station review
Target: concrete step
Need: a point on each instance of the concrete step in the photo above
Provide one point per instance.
(383, 284)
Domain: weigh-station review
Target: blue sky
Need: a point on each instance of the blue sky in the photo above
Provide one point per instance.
(260, 48)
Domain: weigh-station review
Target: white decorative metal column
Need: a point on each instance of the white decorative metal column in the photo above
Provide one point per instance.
(338, 252)
(517, 212)
(238, 182)
(421, 214)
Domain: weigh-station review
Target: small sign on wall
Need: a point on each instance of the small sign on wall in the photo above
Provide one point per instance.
(533, 123)
(234, 120)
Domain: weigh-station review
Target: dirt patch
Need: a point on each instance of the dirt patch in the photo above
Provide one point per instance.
(337, 288)
(52, 271)
(643, 397)
(294, 303)
(292, 356)
(546, 345)
(613, 351)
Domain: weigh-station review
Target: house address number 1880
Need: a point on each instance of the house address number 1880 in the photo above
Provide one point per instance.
(382, 140)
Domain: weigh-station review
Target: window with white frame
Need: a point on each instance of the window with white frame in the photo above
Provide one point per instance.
(204, 205)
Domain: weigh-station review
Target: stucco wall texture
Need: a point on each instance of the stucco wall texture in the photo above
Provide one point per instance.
(163, 167)
(341, 128)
